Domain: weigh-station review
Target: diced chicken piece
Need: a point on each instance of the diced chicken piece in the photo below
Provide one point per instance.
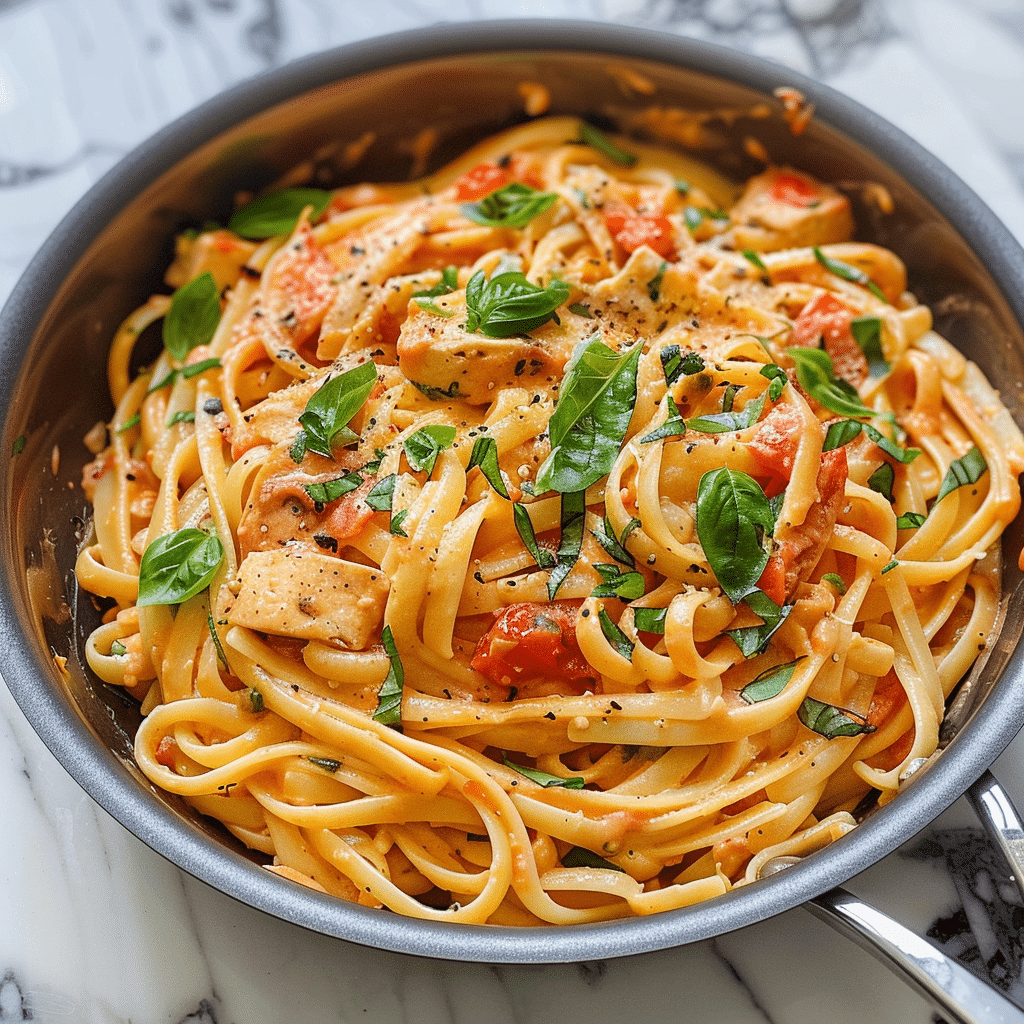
(301, 593)
(220, 252)
(786, 209)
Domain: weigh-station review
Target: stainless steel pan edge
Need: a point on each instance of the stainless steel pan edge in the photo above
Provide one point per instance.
(84, 745)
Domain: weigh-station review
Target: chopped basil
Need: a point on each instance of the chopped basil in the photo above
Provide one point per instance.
(627, 586)
(177, 566)
(256, 700)
(389, 697)
(830, 721)
(215, 637)
(513, 206)
(573, 518)
(423, 447)
(682, 187)
(910, 521)
(373, 466)
(328, 411)
(836, 580)
(330, 490)
(395, 526)
(596, 139)
(816, 376)
(579, 857)
(543, 778)
(163, 382)
(888, 568)
(968, 469)
(430, 306)
(581, 309)
(619, 641)
(277, 213)
(883, 480)
(182, 416)
(840, 433)
(753, 640)
(844, 431)
(448, 283)
(848, 273)
(485, 455)
(436, 394)
(19, 445)
(654, 285)
(508, 304)
(194, 369)
(382, 494)
(674, 425)
(753, 257)
(605, 534)
(890, 447)
(769, 683)
(524, 526)
(777, 378)
(727, 421)
(117, 649)
(734, 519)
(132, 421)
(867, 332)
(594, 407)
(692, 217)
(329, 764)
(676, 365)
(650, 620)
(193, 316)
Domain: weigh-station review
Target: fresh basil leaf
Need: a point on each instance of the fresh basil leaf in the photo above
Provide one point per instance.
(430, 306)
(543, 778)
(508, 304)
(513, 206)
(594, 407)
(654, 285)
(650, 620)
(395, 526)
(867, 332)
(373, 466)
(848, 273)
(330, 490)
(629, 529)
(524, 527)
(968, 469)
(382, 494)
(676, 365)
(910, 521)
(448, 283)
(117, 649)
(328, 411)
(132, 421)
(573, 518)
(775, 504)
(389, 697)
(485, 455)
(605, 534)
(815, 373)
(729, 396)
(777, 378)
(753, 257)
(883, 480)
(192, 317)
(769, 683)
(726, 422)
(215, 637)
(182, 416)
(733, 521)
(329, 764)
(627, 586)
(836, 580)
(194, 369)
(277, 213)
(682, 187)
(890, 447)
(596, 139)
(830, 721)
(177, 566)
(298, 448)
(256, 701)
(423, 447)
(674, 425)
(436, 394)
(581, 309)
(579, 857)
(619, 641)
(840, 433)
(753, 640)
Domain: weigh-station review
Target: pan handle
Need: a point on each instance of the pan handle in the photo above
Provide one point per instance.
(961, 997)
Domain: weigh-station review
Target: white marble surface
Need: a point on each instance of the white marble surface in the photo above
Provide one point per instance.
(96, 928)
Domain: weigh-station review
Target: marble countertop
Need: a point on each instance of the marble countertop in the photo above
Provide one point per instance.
(98, 929)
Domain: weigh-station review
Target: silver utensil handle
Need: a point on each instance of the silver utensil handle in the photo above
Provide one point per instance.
(1002, 822)
(962, 998)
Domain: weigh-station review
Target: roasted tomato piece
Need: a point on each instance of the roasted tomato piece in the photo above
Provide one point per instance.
(788, 188)
(533, 643)
(774, 447)
(631, 230)
(826, 319)
(481, 181)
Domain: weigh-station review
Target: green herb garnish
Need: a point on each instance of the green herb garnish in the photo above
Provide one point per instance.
(848, 273)
(177, 566)
(769, 683)
(830, 721)
(968, 469)
(573, 518)
(389, 697)
(627, 586)
(543, 778)
(423, 447)
(512, 206)
(193, 316)
(277, 213)
(485, 455)
(327, 413)
(508, 304)
(596, 139)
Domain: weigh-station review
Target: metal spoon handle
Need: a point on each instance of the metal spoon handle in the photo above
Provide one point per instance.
(1002, 822)
(962, 998)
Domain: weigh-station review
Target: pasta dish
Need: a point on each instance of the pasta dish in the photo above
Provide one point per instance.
(557, 538)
